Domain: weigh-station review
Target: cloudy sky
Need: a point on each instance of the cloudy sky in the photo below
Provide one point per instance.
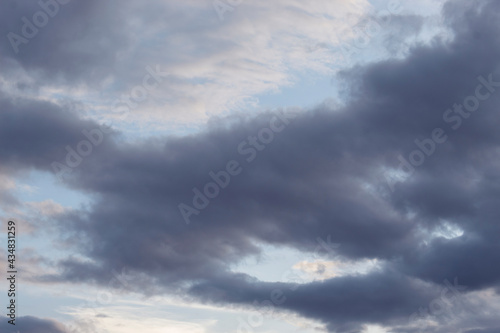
(226, 166)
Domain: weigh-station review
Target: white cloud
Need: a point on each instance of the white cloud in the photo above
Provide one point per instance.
(47, 208)
(323, 269)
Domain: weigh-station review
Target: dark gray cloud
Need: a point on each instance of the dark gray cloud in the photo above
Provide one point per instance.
(82, 43)
(29, 324)
(377, 297)
(74, 41)
(324, 174)
(35, 133)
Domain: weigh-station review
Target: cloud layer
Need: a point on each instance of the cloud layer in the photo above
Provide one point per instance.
(328, 171)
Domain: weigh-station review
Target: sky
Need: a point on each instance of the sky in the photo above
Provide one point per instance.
(235, 166)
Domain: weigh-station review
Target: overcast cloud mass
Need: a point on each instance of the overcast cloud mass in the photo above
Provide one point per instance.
(155, 112)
